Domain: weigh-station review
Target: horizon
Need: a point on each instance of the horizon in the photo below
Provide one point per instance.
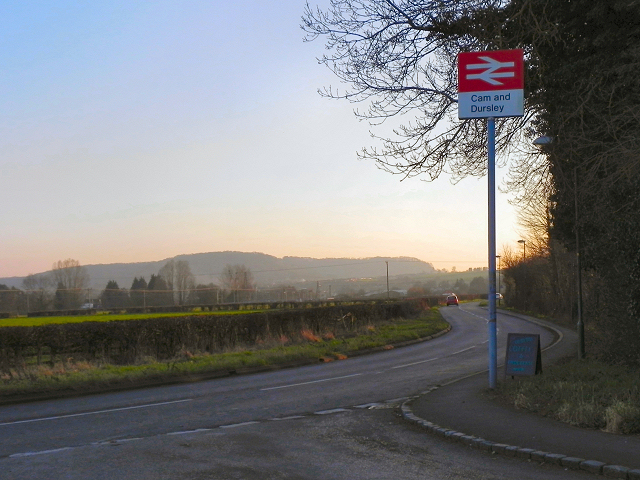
(397, 259)
(134, 132)
(269, 272)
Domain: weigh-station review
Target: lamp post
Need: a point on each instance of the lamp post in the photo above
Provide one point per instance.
(524, 248)
(580, 324)
(388, 294)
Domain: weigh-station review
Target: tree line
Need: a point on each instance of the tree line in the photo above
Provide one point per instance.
(477, 286)
(67, 287)
(574, 156)
(175, 285)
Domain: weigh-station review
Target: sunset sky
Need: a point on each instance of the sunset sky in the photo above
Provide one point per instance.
(137, 131)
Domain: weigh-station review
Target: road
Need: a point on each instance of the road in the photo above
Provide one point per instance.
(70, 438)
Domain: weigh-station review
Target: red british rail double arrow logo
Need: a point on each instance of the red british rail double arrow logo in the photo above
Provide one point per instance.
(486, 71)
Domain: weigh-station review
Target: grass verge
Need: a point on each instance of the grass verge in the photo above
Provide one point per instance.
(73, 377)
(583, 393)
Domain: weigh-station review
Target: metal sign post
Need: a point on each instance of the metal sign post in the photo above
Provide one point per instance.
(490, 85)
(492, 324)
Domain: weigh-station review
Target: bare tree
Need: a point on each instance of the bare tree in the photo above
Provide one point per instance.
(535, 218)
(178, 278)
(168, 273)
(184, 281)
(238, 280)
(399, 57)
(37, 289)
(72, 282)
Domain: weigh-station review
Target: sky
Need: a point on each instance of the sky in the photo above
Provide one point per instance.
(136, 131)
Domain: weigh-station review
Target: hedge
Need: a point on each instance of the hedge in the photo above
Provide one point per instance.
(122, 342)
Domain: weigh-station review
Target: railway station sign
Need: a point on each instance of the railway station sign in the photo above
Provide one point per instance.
(491, 84)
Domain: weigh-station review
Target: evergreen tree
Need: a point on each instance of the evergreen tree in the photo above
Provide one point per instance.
(63, 299)
(158, 292)
(461, 287)
(206, 294)
(138, 291)
(478, 285)
(113, 297)
(9, 299)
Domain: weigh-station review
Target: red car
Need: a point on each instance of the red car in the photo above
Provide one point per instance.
(452, 300)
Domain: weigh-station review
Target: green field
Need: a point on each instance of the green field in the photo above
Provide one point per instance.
(109, 317)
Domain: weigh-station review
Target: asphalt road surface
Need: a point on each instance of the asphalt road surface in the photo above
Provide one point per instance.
(324, 421)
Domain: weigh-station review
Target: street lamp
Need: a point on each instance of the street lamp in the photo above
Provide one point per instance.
(388, 294)
(539, 142)
(524, 248)
(578, 268)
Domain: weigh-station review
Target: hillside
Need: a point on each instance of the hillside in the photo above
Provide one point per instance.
(267, 269)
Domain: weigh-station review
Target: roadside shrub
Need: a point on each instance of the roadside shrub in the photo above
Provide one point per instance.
(123, 342)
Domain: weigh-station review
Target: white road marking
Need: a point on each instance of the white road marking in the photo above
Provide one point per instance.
(329, 412)
(396, 400)
(311, 382)
(115, 441)
(368, 405)
(415, 363)
(186, 432)
(473, 314)
(238, 424)
(486, 319)
(466, 349)
(42, 452)
(97, 412)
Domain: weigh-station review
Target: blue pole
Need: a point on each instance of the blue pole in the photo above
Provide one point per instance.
(491, 172)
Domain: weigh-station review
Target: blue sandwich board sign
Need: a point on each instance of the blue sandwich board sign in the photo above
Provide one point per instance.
(523, 355)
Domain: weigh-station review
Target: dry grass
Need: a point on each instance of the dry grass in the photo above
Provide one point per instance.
(58, 369)
(585, 393)
(310, 336)
(622, 417)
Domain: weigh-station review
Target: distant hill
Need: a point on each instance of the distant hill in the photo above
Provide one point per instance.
(267, 269)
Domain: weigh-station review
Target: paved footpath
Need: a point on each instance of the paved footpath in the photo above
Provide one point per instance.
(466, 411)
